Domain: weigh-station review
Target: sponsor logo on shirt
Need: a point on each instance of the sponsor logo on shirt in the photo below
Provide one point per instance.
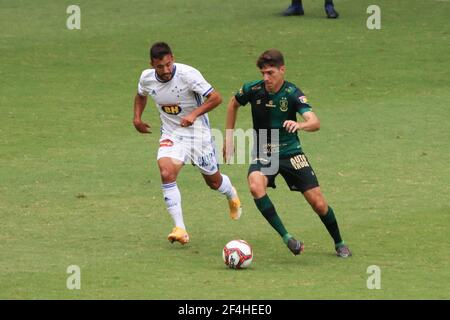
(303, 99)
(270, 104)
(271, 148)
(171, 109)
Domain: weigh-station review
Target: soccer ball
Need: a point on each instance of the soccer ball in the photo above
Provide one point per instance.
(237, 254)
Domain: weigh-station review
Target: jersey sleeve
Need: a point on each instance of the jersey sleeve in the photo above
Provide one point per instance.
(141, 86)
(243, 95)
(301, 102)
(198, 84)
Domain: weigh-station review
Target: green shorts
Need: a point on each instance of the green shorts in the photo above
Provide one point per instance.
(296, 171)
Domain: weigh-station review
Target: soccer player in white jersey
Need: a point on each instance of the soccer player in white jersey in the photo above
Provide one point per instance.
(183, 98)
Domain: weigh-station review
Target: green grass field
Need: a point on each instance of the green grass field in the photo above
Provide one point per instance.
(79, 186)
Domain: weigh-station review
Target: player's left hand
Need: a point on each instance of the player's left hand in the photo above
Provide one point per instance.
(188, 120)
(291, 126)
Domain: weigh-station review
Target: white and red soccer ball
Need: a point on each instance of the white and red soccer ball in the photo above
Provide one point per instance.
(237, 254)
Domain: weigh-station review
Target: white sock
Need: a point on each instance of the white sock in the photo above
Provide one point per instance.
(172, 197)
(226, 188)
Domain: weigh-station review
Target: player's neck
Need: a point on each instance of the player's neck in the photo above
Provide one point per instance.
(276, 88)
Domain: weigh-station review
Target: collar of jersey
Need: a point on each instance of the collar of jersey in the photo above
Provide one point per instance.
(164, 81)
(275, 93)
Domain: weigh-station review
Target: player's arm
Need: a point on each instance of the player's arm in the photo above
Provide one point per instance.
(139, 106)
(212, 100)
(228, 146)
(311, 123)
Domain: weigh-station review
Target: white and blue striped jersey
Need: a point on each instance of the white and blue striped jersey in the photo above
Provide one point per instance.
(176, 98)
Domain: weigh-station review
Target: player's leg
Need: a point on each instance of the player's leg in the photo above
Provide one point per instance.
(202, 153)
(169, 169)
(222, 183)
(330, 11)
(295, 9)
(258, 187)
(300, 176)
(170, 162)
(317, 201)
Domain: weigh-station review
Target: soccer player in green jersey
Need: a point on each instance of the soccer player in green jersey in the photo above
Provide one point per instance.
(274, 105)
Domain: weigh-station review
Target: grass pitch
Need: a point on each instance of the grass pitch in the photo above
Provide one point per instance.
(79, 186)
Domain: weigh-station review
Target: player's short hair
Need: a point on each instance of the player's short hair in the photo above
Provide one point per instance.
(271, 57)
(159, 50)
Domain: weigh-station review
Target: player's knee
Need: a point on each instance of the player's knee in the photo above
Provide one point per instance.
(257, 189)
(167, 176)
(213, 184)
(320, 206)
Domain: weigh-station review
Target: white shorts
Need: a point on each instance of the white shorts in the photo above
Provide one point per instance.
(199, 152)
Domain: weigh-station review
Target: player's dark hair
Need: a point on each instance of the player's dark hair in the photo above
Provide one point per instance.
(159, 50)
(272, 58)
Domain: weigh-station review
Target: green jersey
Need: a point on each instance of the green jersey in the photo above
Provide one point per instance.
(270, 111)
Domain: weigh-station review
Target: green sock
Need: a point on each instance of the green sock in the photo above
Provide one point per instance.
(286, 238)
(329, 220)
(265, 206)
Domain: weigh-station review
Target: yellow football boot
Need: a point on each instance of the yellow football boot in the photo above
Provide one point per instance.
(235, 206)
(178, 234)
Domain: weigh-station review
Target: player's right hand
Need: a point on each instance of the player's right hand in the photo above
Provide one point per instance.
(141, 126)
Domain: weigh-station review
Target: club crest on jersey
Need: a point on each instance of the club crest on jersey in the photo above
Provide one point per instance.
(284, 104)
(171, 109)
(303, 99)
(166, 143)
